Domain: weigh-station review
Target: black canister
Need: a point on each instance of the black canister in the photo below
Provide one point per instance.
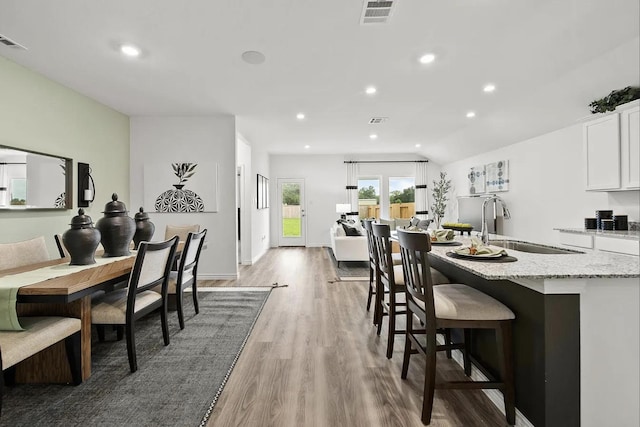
(144, 228)
(607, 224)
(117, 229)
(620, 222)
(590, 223)
(600, 215)
(81, 240)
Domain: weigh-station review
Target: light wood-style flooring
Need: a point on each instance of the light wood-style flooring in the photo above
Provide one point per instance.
(314, 359)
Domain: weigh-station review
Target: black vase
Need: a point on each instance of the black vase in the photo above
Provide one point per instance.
(81, 240)
(116, 228)
(144, 228)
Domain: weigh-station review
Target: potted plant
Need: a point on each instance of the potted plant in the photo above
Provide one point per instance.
(439, 193)
(615, 98)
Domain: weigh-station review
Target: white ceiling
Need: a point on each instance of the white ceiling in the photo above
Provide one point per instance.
(548, 59)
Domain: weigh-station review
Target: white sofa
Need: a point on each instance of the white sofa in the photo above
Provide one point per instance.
(348, 248)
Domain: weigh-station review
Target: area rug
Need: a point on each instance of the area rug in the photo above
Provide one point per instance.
(349, 270)
(177, 385)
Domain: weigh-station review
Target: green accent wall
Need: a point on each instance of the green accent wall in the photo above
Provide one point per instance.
(41, 115)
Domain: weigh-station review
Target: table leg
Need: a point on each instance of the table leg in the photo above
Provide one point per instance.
(51, 365)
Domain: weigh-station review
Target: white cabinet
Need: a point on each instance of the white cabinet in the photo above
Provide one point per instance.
(622, 246)
(602, 153)
(579, 240)
(612, 150)
(630, 148)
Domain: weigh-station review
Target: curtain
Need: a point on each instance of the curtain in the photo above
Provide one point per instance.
(352, 188)
(421, 197)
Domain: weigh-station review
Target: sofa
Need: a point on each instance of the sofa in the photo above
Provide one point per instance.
(348, 248)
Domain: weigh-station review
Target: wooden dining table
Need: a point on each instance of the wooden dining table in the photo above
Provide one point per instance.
(66, 295)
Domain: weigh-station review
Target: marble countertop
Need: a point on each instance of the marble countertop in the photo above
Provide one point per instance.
(631, 235)
(590, 264)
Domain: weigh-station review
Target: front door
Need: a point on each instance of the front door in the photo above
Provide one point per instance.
(291, 212)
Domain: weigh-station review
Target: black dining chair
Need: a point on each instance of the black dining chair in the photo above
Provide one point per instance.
(124, 306)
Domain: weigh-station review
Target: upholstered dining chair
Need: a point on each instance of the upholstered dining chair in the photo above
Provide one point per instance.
(124, 306)
(18, 254)
(450, 306)
(39, 333)
(187, 274)
(181, 231)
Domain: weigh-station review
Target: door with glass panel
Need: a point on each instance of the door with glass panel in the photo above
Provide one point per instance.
(291, 212)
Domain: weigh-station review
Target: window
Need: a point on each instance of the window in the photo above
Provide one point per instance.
(369, 197)
(402, 193)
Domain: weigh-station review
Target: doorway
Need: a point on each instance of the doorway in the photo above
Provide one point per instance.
(291, 213)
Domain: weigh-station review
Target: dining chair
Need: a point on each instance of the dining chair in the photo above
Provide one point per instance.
(124, 306)
(181, 231)
(62, 249)
(187, 274)
(373, 267)
(451, 306)
(18, 254)
(39, 334)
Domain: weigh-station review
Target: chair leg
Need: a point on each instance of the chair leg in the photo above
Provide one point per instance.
(194, 291)
(379, 297)
(165, 324)
(119, 332)
(370, 289)
(429, 379)
(131, 346)
(9, 376)
(466, 352)
(100, 329)
(74, 356)
(407, 345)
(505, 359)
(179, 306)
(392, 323)
(447, 339)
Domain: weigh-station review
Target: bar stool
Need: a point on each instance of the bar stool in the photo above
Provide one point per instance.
(451, 306)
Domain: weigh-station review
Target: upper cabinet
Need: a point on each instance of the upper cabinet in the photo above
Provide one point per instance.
(612, 150)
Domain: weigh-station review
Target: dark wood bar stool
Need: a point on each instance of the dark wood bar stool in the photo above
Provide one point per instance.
(373, 267)
(451, 306)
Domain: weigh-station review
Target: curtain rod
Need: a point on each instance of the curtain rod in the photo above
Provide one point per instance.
(386, 161)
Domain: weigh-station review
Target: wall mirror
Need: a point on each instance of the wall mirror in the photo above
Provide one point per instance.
(32, 180)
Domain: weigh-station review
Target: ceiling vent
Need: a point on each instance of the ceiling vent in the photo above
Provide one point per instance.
(377, 120)
(8, 42)
(377, 12)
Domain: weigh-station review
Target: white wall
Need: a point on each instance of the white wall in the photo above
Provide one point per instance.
(40, 115)
(325, 180)
(546, 188)
(192, 139)
(243, 156)
(260, 231)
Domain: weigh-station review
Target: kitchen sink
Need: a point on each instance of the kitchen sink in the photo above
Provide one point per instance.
(531, 247)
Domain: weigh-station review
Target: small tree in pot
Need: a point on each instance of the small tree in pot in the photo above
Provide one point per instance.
(439, 193)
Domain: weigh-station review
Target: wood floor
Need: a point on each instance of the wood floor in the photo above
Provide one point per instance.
(314, 358)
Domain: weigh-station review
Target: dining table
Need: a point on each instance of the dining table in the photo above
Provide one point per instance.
(55, 288)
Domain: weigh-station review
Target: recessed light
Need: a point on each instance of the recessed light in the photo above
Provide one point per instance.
(418, 145)
(471, 114)
(253, 57)
(370, 90)
(307, 147)
(130, 50)
(427, 58)
(489, 88)
(373, 136)
(300, 116)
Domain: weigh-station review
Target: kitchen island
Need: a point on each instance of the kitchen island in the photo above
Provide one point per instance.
(576, 332)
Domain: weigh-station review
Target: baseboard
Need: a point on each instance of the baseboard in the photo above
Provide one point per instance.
(495, 396)
(217, 276)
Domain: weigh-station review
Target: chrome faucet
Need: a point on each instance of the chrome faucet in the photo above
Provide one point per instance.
(484, 234)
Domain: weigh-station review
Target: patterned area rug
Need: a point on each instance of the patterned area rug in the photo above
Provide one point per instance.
(176, 385)
(349, 270)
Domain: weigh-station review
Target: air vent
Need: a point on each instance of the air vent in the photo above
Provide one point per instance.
(377, 120)
(377, 12)
(8, 42)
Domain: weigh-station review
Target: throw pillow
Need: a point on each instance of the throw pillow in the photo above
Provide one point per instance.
(350, 230)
